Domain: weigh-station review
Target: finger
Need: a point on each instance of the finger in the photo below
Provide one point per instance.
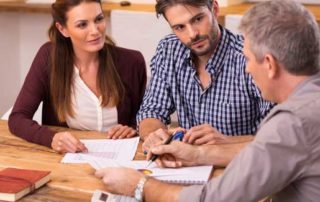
(119, 132)
(174, 130)
(150, 141)
(81, 147)
(69, 144)
(112, 130)
(201, 127)
(145, 146)
(58, 146)
(149, 155)
(163, 149)
(128, 130)
(131, 133)
(196, 135)
(161, 134)
(101, 172)
(203, 140)
(168, 161)
(186, 137)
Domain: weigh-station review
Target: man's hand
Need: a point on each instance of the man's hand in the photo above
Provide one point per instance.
(155, 138)
(120, 131)
(204, 134)
(120, 180)
(63, 142)
(176, 154)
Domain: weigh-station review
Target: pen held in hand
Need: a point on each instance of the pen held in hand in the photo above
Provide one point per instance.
(176, 136)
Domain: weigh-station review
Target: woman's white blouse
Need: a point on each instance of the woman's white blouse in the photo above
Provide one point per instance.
(89, 115)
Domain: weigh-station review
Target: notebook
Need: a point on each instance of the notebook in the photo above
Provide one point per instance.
(184, 175)
(15, 183)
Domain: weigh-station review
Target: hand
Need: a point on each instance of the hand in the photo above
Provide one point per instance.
(120, 131)
(120, 180)
(176, 154)
(155, 138)
(204, 134)
(63, 142)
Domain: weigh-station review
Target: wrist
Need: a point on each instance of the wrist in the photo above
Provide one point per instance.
(139, 189)
(201, 156)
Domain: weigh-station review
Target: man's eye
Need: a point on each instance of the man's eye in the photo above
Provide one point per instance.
(198, 19)
(178, 28)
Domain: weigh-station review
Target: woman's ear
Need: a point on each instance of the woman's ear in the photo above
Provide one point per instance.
(62, 30)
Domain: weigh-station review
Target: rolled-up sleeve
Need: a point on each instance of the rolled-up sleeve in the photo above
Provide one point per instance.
(157, 101)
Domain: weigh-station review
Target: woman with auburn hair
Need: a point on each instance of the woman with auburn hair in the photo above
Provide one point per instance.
(84, 81)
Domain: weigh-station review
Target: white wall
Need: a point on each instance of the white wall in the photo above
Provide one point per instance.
(232, 23)
(138, 30)
(21, 36)
(31, 38)
(9, 59)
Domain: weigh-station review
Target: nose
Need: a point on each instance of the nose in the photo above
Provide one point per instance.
(192, 31)
(94, 28)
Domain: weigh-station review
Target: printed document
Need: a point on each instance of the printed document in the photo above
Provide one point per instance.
(120, 150)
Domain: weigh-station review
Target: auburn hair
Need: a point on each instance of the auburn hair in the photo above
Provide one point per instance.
(62, 65)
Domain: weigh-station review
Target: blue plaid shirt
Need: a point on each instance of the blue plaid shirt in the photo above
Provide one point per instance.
(232, 103)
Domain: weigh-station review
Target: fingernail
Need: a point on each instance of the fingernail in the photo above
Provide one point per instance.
(145, 152)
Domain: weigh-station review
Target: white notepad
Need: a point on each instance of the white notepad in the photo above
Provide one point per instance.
(184, 175)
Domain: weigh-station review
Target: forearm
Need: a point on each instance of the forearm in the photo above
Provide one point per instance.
(219, 155)
(149, 125)
(240, 139)
(157, 191)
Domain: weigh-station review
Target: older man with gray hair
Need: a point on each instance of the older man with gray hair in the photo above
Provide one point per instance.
(282, 47)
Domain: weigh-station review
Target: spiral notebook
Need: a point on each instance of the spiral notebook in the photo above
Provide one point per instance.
(184, 175)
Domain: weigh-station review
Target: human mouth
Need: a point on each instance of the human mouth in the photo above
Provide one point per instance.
(95, 41)
(198, 43)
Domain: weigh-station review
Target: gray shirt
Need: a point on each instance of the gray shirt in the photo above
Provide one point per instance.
(283, 160)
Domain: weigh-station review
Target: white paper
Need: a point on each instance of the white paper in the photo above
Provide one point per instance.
(120, 150)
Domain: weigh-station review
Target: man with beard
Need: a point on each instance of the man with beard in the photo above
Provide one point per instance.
(199, 71)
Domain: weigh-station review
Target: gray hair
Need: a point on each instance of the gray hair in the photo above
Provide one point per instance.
(162, 5)
(286, 30)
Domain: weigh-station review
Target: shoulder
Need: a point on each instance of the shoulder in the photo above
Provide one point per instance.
(42, 59)
(127, 60)
(120, 53)
(45, 49)
(235, 42)
(170, 42)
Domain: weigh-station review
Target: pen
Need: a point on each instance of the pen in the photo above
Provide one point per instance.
(176, 136)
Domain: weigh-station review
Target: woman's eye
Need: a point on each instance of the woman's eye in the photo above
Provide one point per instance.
(100, 19)
(82, 25)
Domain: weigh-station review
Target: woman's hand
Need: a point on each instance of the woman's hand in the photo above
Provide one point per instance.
(120, 131)
(63, 142)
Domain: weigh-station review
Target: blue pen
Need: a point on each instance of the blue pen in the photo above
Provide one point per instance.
(176, 136)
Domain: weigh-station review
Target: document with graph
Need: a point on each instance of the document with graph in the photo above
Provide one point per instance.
(119, 150)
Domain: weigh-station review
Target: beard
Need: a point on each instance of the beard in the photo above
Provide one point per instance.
(212, 41)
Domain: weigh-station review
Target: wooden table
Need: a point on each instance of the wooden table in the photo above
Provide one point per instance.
(69, 182)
